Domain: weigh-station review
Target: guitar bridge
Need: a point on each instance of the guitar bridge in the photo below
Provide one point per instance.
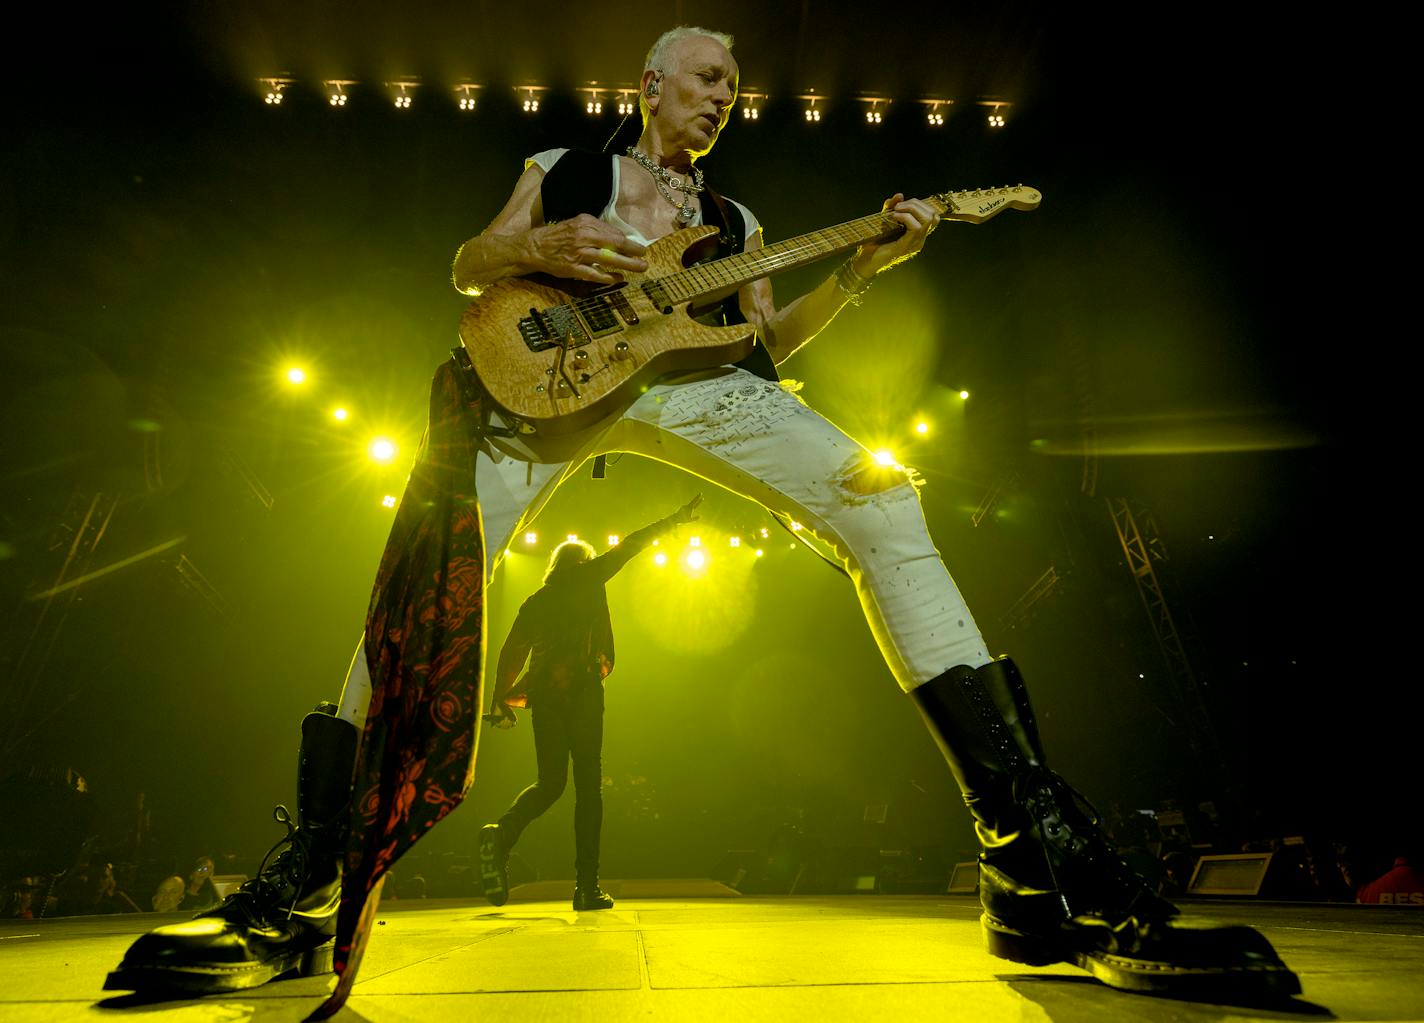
(551, 328)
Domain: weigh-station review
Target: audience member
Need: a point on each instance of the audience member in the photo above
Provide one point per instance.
(169, 895)
(1402, 885)
(107, 897)
(200, 894)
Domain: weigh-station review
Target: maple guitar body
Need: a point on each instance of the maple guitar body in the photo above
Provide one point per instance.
(560, 355)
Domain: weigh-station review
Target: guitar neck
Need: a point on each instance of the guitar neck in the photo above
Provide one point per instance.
(723, 275)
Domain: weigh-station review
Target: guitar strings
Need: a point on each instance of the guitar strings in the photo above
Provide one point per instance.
(683, 284)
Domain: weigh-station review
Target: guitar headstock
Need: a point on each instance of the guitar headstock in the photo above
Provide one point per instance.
(978, 205)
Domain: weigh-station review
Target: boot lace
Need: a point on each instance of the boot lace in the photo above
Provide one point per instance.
(1086, 870)
(280, 878)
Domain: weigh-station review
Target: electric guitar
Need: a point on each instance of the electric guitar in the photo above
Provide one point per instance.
(556, 355)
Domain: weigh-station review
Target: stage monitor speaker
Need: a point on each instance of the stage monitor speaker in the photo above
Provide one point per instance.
(964, 879)
(1230, 874)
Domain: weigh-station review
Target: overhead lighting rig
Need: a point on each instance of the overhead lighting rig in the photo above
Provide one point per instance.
(275, 87)
(335, 89)
(465, 94)
(402, 92)
(995, 110)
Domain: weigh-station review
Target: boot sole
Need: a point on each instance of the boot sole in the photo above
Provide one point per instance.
(1261, 982)
(492, 879)
(194, 979)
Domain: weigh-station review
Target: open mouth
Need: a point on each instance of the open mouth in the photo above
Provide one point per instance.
(712, 121)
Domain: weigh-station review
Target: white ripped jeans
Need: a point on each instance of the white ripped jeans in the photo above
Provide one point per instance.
(759, 440)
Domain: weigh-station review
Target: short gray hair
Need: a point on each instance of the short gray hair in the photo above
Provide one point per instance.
(658, 55)
(657, 59)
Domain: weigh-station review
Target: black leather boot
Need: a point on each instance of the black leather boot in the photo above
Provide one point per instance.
(588, 896)
(284, 919)
(494, 865)
(1052, 887)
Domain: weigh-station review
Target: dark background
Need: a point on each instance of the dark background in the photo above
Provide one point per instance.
(1193, 290)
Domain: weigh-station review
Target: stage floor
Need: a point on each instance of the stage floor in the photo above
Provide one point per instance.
(709, 954)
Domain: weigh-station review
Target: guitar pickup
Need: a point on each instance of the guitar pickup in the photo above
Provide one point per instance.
(623, 307)
(597, 314)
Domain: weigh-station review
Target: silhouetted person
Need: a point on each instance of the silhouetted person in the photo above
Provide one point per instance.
(564, 633)
(107, 896)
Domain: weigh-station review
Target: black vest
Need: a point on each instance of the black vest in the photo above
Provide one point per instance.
(582, 182)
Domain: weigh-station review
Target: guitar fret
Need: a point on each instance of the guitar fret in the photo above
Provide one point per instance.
(744, 267)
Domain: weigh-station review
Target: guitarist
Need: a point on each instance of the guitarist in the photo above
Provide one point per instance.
(1052, 888)
(564, 633)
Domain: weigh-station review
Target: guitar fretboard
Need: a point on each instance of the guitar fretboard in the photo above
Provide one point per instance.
(732, 272)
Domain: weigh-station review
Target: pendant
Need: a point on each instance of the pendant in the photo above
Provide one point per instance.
(685, 214)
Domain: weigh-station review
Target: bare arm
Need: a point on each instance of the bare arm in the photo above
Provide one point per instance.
(518, 242)
(611, 563)
(787, 329)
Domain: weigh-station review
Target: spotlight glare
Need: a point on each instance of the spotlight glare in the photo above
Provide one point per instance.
(531, 537)
(660, 559)
(696, 559)
(613, 539)
(296, 375)
(340, 415)
(383, 449)
(760, 552)
(388, 501)
(885, 457)
(735, 541)
(922, 427)
(695, 541)
(571, 537)
(964, 395)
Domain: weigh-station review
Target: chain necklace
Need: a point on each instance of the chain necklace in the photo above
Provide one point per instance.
(667, 184)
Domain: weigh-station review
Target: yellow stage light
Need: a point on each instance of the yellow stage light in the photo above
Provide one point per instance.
(796, 527)
(735, 541)
(613, 539)
(922, 427)
(964, 394)
(764, 532)
(383, 449)
(296, 375)
(531, 537)
(389, 501)
(660, 559)
(571, 537)
(695, 541)
(760, 552)
(696, 559)
(340, 414)
(885, 457)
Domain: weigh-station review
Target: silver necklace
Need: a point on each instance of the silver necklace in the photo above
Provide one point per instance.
(667, 184)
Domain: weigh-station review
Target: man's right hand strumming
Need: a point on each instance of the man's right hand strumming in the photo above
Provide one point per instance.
(586, 249)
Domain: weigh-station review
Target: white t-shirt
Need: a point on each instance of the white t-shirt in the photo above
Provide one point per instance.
(546, 160)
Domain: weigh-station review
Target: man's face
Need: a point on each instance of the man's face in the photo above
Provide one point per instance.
(698, 94)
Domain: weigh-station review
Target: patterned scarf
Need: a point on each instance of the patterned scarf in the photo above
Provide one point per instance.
(425, 652)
